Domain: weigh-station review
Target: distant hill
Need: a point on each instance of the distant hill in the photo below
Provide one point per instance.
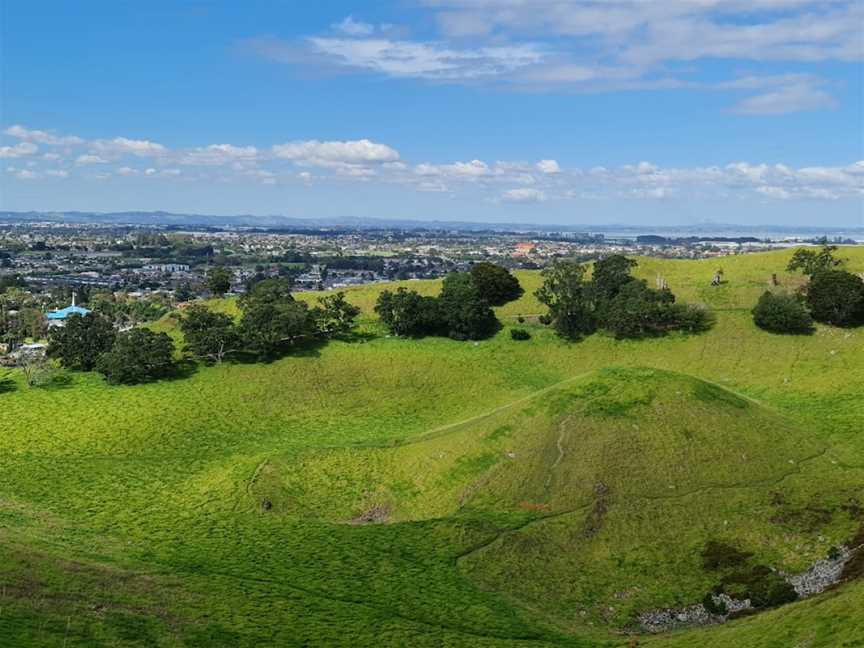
(276, 221)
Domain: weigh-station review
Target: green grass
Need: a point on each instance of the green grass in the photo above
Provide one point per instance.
(133, 516)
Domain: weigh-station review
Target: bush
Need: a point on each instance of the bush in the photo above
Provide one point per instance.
(782, 313)
(714, 606)
(519, 334)
(836, 297)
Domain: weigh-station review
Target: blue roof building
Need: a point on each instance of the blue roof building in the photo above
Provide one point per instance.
(63, 313)
(58, 317)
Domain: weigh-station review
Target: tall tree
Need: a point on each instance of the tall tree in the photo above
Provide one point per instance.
(138, 355)
(610, 275)
(495, 283)
(79, 343)
(208, 335)
(334, 315)
(272, 319)
(565, 293)
(466, 313)
(219, 280)
(810, 262)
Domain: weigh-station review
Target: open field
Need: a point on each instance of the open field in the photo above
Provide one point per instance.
(431, 492)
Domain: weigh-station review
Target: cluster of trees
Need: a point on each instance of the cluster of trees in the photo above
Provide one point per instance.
(91, 342)
(612, 300)
(462, 311)
(271, 322)
(832, 296)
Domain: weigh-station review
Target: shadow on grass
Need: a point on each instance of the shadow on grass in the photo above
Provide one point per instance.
(7, 385)
(60, 380)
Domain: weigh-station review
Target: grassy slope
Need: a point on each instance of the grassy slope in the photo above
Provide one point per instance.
(133, 512)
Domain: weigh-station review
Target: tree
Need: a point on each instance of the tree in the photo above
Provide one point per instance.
(79, 343)
(267, 328)
(32, 323)
(495, 284)
(810, 262)
(610, 276)
(406, 312)
(138, 355)
(35, 368)
(334, 315)
(219, 280)
(836, 297)
(638, 311)
(272, 318)
(564, 292)
(465, 312)
(184, 292)
(272, 291)
(208, 335)
(782, 313)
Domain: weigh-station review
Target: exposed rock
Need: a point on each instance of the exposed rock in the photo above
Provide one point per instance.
(657, 621)
(822, 575)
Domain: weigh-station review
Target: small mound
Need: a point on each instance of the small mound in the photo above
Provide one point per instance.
(644, 432)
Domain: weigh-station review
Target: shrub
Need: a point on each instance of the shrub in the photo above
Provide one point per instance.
(714, 606)
(782, 313)
(519, 334)
(763, 586)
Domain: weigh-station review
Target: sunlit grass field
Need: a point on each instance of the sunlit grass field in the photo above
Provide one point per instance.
(230, 507)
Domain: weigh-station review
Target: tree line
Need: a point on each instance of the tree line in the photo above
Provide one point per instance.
(272, 322)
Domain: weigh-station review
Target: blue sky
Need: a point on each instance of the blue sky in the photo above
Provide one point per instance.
(570, 111)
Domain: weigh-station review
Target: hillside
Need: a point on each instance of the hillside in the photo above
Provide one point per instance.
(429, 492)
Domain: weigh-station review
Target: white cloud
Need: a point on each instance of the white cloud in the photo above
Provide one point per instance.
(57, 173)
(90, 158)
(21, 149)
(795, 97)
(353, 28)
(216, 154)
(42, 137)
(430, 60)
(22, 174)
(124, 146)
(600, 45)
(335, 154)
(548, 166)
(523, 196)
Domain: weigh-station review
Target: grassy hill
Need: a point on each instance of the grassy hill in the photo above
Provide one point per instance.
(432, 492)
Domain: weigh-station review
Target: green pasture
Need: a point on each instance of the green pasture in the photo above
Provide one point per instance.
(396, 492)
